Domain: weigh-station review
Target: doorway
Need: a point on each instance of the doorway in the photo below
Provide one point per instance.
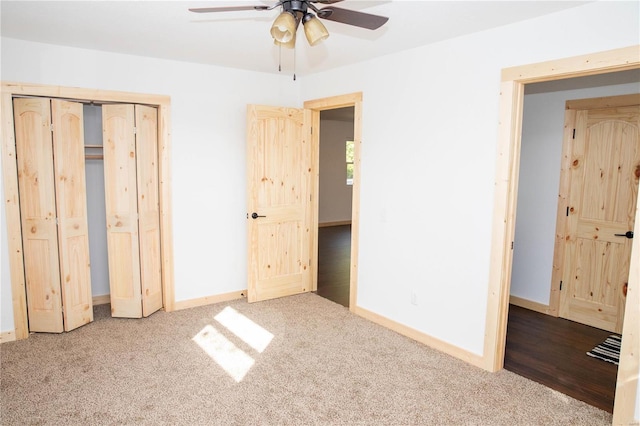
(14, 226)
(535, 281)
(334, 206)
(512, 86)
(317, 106)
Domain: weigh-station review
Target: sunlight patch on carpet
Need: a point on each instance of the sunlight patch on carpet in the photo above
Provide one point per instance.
(250, 332)
(223, 351)
(232, 359)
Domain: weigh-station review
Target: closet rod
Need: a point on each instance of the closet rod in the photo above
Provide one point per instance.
(93, 146)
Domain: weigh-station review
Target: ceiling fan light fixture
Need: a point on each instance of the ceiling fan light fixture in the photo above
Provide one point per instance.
(284, 27)
(314, 29)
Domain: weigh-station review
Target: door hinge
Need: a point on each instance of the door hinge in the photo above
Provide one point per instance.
(574, 134)
(51, 127)
(135, 130)
(560, 285)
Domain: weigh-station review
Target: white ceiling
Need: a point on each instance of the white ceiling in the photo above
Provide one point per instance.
(241, 39)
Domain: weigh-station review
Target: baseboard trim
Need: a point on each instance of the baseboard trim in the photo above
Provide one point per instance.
(185, 304)
(529, 304)
(425, 339)
(7, 336)
(209, 300)
(338, 223)
(101, 300)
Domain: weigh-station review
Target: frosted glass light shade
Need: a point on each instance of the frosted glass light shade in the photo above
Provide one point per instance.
(314, 30)
(283, 29)
(289, 45)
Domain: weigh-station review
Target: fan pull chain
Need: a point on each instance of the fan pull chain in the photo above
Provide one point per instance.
(294, 64)
(279, 57)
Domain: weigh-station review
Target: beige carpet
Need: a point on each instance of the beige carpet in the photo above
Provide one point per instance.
(306, 361)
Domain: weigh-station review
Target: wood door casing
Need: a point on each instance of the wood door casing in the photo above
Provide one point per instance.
(279, 182)
(604, 174)
(34, 155)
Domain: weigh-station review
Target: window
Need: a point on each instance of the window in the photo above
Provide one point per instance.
(349, 158)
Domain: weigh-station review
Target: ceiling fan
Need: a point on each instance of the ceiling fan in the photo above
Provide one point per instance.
(293, 12)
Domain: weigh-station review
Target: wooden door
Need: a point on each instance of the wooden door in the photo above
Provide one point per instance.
(148, 208)
(71, 203)
(604, 176)
(133, 209)
(50, 154)
(278, 189)
(34, 152)
(119, 148)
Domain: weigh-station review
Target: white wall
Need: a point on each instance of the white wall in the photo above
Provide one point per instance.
(428, 231)
(335, 194)
(208, 106)
(542, 134)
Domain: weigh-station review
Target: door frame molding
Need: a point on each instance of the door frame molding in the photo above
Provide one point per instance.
(10, 178)
(571, 106)
(317, 105)
(513, 81)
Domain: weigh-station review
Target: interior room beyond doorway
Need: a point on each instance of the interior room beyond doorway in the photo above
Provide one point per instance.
(336, 157)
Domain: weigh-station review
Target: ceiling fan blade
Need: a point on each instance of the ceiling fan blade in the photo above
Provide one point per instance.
(326, 1)
(228, 9)
(352, 17)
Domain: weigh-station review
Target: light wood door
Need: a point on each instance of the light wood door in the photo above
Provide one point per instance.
(50, 154)
(604, 176)
(34, 152)
(71, 203)
(148, 208)
(119, 148)
(133, 214)
(278, 180)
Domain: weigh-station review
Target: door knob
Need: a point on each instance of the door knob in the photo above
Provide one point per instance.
(628, 234)
(255, 215)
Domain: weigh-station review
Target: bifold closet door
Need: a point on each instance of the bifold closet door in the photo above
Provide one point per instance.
(71, 205)
(131, 196)
(51, 183)
(148, 208)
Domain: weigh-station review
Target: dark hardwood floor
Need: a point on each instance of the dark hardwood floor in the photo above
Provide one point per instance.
(552, 351)
(542, 348)
(334, 262)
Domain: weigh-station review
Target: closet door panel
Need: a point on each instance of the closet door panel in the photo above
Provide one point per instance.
(73, 229)
(148, 208)
(121, 204)
(36, 185)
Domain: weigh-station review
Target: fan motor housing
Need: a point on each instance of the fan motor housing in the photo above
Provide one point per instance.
(295, 6)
